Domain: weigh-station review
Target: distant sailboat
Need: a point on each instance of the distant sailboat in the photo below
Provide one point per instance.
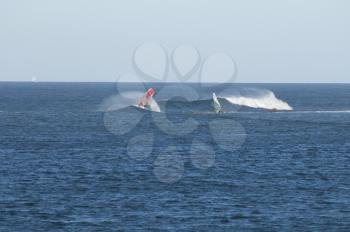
(216, 104)
(34, 79)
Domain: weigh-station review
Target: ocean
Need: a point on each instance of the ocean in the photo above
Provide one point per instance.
(80, 157)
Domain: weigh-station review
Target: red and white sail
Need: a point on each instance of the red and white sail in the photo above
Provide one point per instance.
(147, 98)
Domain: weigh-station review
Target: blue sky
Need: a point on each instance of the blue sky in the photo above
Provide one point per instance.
(85, 40)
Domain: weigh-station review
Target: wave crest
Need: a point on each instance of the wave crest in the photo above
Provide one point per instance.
(257, 98)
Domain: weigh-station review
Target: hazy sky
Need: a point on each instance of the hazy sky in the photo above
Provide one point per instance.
(85, 40)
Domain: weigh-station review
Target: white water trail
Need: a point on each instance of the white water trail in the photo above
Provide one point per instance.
(258, 98)
(322, 112)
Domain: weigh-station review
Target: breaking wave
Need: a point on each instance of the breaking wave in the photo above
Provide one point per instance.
(257, 98)
(233, 100)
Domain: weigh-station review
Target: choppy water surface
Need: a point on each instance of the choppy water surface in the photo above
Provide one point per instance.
(66, 164)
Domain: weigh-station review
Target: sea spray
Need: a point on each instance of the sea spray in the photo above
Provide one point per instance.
(256, 98)
(125, 99)
(118, 101)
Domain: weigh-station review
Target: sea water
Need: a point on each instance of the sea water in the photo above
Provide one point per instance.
(75, 156)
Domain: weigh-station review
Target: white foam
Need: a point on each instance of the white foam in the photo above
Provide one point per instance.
(264, 99)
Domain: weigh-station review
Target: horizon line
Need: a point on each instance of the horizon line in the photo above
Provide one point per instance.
(173, 82)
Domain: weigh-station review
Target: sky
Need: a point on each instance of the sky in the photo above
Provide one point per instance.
(289, 41)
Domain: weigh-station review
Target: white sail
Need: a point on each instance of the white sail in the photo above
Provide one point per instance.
(216, 104)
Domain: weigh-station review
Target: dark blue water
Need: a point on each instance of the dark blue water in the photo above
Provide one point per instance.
(63, 168)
